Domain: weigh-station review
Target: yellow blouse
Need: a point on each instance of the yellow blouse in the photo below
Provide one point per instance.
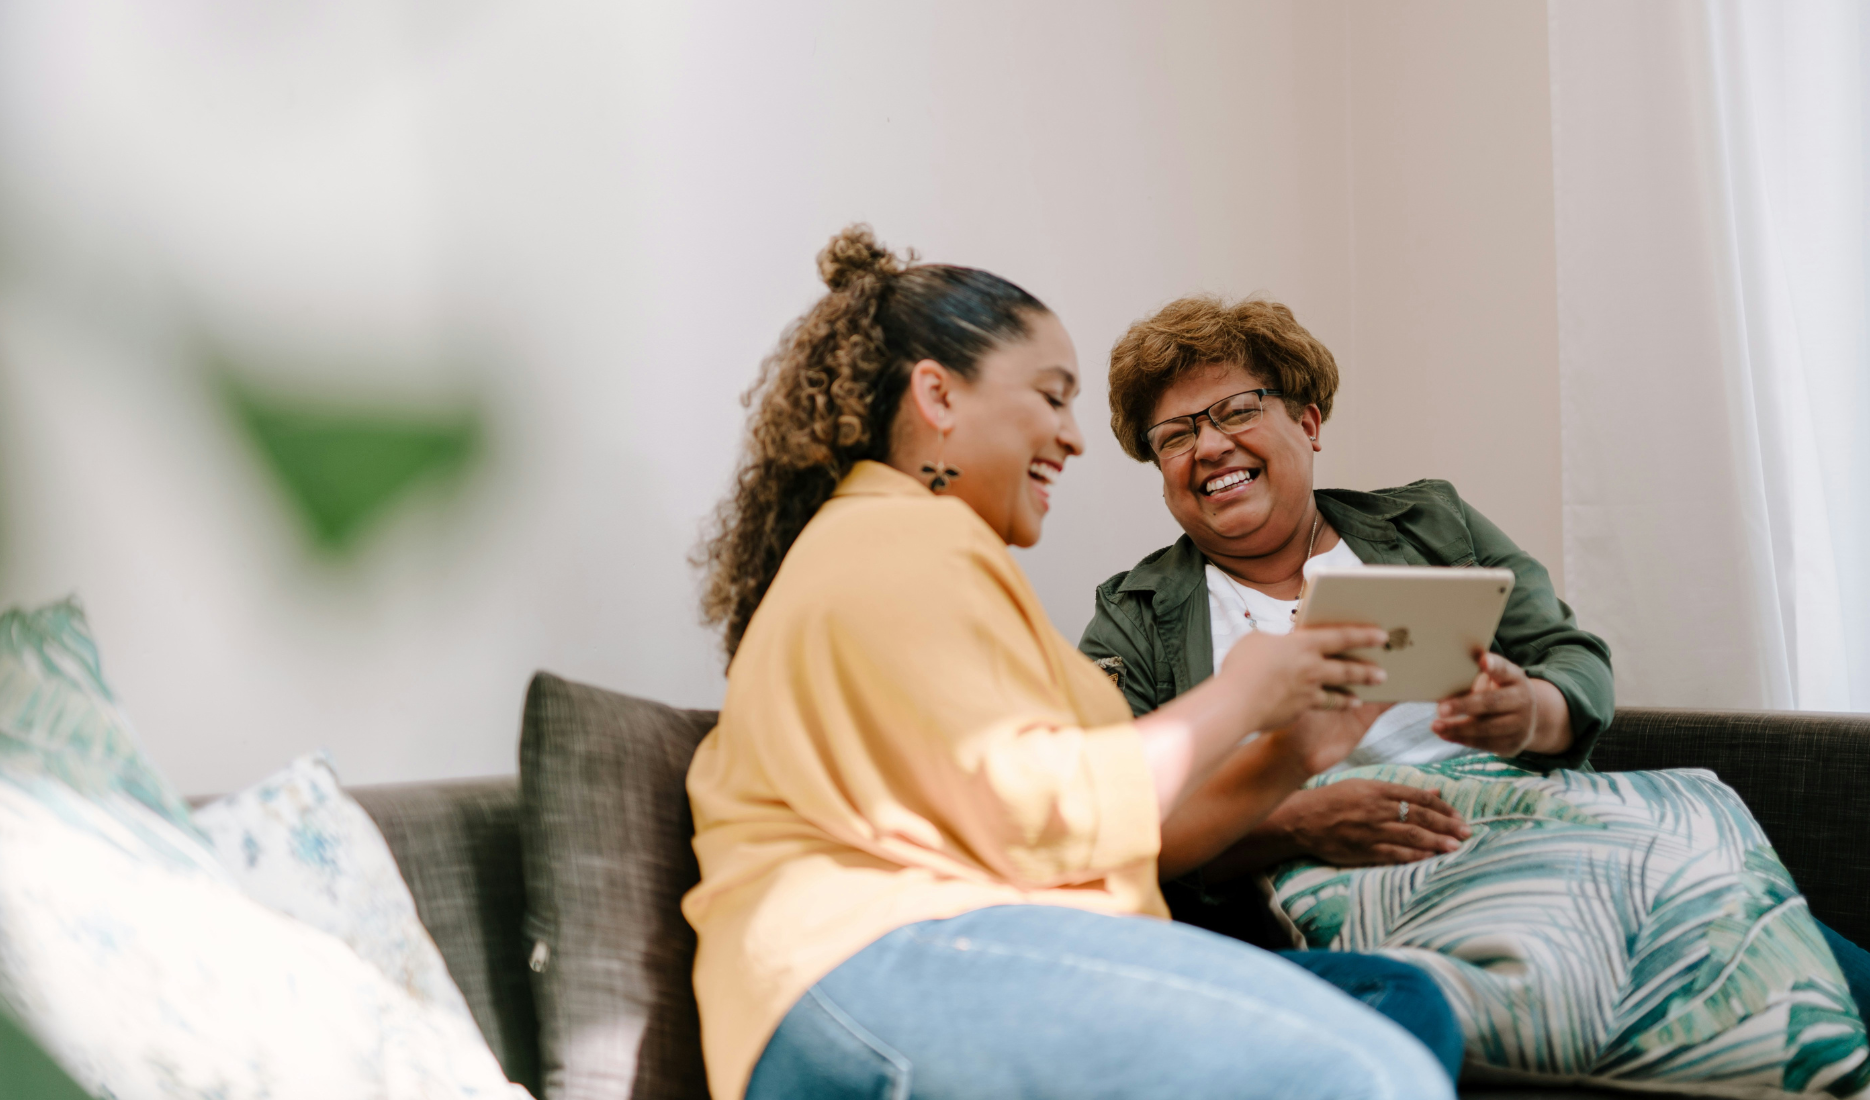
(906, 737)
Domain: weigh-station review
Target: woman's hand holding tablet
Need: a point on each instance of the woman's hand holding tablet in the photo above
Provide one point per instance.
(1440, 623)
(1504, 711)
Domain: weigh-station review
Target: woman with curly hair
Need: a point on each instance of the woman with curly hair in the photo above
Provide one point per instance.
(927, 826)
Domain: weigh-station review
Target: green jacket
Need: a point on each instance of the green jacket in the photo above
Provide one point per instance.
(1152, 631)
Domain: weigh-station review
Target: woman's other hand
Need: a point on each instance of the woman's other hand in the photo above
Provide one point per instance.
(1359, 823)
(1506, 712)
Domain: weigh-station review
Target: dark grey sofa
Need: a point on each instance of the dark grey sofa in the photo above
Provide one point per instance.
(458, 844)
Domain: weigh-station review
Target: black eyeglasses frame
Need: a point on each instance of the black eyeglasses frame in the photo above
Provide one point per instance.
(1194, 419)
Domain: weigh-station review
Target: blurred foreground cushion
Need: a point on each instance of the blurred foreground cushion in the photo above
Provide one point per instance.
(296, 843)
(1630, 929)
(606, 833)
(57, 716)
(130, 954)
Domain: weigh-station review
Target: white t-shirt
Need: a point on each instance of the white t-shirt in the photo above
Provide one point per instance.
(1401, 735)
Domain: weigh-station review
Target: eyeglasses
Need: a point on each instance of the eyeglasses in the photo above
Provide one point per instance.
(1229, 415)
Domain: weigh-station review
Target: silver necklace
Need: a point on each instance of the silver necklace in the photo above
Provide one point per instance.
(1309, 545)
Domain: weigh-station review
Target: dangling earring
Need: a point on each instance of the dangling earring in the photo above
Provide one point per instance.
(938, 472)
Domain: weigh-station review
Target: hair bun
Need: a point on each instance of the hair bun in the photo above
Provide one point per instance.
(853, 254)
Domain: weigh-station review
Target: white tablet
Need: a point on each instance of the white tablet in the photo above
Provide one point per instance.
(1438, 618)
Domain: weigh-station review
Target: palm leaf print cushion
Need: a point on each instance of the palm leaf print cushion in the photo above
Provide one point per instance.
(1630, 929)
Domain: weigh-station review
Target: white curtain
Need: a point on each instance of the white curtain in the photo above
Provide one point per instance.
(1713, 261)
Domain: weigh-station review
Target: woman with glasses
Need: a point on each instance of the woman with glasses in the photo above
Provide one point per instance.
(1229, 401)
(927, 826)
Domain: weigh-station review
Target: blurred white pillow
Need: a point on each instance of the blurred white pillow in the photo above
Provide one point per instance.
(129, 952)
(146, 979)
(297, 843)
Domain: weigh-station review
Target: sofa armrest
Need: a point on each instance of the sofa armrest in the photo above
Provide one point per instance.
(1803, 775)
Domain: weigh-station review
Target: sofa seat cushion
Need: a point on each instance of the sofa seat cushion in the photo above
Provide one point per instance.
(605, 832)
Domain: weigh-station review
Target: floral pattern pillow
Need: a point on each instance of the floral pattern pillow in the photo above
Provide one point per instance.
(297, 843)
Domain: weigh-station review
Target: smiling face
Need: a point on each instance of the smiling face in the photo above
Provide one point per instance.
(1241, 496)
(1013, 429)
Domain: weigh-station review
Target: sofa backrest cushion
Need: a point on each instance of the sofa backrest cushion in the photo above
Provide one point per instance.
(605, 830)
(1801, 774)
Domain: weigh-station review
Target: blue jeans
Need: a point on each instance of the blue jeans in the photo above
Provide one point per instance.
(1404, 993)
(1046, 1002)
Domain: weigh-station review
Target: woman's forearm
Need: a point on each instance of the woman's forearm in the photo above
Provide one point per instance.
(1185, 741)
(1267, 844)
(1268, 682)
(1227, 823)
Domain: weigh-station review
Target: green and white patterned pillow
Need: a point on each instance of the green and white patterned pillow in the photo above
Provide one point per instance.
(130, 955)
(58, 718)
(1630, 929)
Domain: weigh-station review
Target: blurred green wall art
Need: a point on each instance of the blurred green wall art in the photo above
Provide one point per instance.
(345, 462)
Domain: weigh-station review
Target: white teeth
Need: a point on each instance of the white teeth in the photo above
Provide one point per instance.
(1227, 481)
(1043, 471)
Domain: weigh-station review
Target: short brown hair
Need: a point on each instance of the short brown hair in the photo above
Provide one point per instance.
(1259, 335)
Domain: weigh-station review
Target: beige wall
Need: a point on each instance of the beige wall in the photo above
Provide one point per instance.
(1451, 367)
(604, 215)
(1394, 186)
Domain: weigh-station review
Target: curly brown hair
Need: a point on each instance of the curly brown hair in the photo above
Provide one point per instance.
(1187, 333)
(826, 398)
